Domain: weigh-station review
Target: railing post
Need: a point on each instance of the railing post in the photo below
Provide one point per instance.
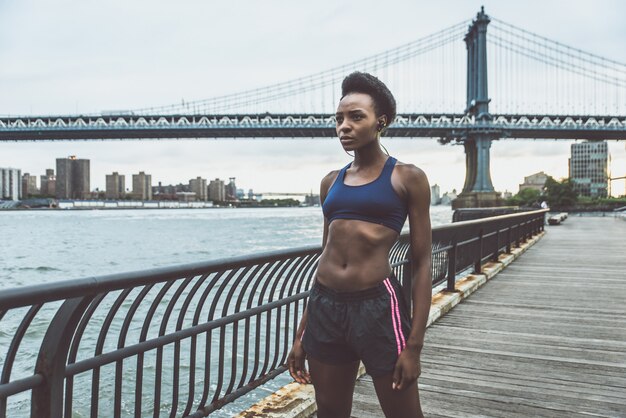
(479, 259)
(496, 253)
(47, 399)
(508, 240)
(407, 284)
(451, 267)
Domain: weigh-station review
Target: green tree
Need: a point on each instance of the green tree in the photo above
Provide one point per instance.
(560, 193)
(525, 197)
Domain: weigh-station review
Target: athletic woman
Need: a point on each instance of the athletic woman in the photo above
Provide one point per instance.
(356, 311)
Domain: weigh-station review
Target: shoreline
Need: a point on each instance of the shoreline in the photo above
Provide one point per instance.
(62, 205)
(85, 208)
(173, 207)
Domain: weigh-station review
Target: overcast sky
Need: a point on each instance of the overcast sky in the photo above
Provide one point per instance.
(64, 57)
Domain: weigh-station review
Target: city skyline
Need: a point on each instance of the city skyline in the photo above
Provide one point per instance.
(74, 178)
(447, 169)
(45, 75)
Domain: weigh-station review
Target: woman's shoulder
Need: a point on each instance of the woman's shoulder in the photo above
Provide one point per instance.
(412, 181)
(328, 180)
(331, 176)
(409, 171)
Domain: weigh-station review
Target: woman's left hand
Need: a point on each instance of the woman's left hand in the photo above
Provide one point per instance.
(295, 362)
(407, 369)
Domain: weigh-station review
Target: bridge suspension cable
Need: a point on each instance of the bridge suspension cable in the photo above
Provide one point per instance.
(383, 61)
(530, 71)
(527, 73)
(558, 46)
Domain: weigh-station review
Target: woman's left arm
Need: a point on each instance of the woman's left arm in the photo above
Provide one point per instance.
(418, 199)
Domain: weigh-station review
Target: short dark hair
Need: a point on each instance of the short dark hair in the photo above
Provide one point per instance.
(384, 102)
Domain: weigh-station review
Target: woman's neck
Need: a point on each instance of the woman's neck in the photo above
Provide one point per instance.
(369, 155)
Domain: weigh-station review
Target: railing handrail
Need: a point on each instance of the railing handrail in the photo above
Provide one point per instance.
(66, 289)
(497, 218)
(50, 292)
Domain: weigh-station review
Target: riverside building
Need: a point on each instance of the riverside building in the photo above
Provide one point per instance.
(115, 186)
(535, 181)
(10, 184)
(29, 185)
(448, 197)
(142, 186)
(231, 189)
(588, 168)
(72, 180)
(47, 183)
(435, 194)
(199, 187)
(217, 190)
(310, 199)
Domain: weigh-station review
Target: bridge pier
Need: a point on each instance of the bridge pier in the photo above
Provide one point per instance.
(477, 174)
(478, 189)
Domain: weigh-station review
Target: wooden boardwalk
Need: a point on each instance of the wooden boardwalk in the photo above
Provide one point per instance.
(545, 338)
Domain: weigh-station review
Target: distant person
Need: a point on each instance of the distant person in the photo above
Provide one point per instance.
(544, 204)
(356, 310)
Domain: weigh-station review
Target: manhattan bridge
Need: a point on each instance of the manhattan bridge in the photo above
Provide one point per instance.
(464, 85)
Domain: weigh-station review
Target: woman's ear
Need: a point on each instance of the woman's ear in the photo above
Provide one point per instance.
(382, 122)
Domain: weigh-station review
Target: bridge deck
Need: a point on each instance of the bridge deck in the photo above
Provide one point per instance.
(545, 338)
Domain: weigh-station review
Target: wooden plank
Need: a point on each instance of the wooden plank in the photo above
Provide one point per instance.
(541, 327)
(512, 305)
(556, 399)
(543, 350)
(565, 373)
(573, 388)
(519, 364)
(474, 405)
(505, 405)
(446, 333)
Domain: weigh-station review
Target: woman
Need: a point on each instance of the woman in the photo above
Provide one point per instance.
(356, 311)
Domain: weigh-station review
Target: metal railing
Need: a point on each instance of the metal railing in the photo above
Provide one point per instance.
(186, 340)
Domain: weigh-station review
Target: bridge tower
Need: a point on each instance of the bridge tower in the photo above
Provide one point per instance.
(478, 189)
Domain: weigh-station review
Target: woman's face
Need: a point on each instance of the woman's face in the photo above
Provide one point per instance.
(357, 124)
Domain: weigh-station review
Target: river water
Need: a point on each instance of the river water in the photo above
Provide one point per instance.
(47, 246)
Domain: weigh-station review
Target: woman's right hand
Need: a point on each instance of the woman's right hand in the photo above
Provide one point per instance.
(295, 361)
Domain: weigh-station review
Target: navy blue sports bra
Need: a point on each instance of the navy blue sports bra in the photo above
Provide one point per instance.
(375, 202)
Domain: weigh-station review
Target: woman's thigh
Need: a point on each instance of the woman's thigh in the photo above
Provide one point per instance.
(334, 387)
(403, 403)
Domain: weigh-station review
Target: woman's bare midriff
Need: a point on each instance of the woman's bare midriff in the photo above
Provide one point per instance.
(356, 255)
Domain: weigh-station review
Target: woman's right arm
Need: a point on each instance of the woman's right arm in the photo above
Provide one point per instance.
(296, 358)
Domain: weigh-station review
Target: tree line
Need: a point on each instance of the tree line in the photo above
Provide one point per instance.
(562, 194)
